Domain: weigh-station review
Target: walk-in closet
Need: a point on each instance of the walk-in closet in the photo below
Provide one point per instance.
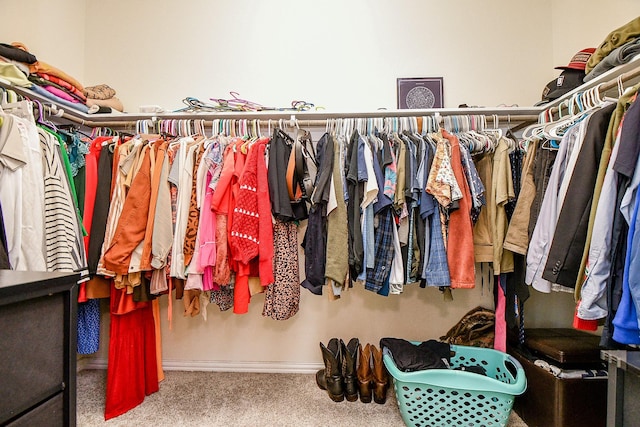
(307, 214)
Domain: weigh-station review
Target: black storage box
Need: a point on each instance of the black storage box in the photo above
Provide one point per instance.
(551, 401)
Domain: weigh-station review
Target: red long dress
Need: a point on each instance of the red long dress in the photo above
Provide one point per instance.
(132, 371)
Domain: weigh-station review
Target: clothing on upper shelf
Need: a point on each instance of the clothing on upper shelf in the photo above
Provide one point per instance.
(102, 91)
(40, 90)
(618, 56)
(12, 73)
(614, 39)
(21, 68)
(16, 54)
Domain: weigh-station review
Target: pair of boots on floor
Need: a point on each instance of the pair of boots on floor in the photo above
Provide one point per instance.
(351, 370)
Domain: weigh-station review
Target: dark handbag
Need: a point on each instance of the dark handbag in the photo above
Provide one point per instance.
(476, 328)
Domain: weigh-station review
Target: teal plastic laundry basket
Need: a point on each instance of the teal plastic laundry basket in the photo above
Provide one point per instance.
(450, 397)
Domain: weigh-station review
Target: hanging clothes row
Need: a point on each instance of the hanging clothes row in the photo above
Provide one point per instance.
(41, 225)
(429, 177)
(216, 218)
(425, 169)
(574, 219)
(608, 283)
(41, 203)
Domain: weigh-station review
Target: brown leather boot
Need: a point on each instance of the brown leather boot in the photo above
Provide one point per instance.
(330, 378)
(349, 359)
(365, 376)
(380, 376)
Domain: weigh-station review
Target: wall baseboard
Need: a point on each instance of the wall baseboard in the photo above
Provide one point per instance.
(219, 366)
(81, 363)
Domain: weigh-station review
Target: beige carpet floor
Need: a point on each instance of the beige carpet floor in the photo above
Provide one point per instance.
(210, 399)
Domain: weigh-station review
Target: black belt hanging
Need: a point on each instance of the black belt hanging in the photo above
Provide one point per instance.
(299, 182)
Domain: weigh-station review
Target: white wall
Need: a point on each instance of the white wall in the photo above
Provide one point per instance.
(252, 341)
(343, 56)
(53, 31)
(578, 24)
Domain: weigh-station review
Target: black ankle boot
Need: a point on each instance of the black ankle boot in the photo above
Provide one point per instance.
(330, 378)
(349, 358)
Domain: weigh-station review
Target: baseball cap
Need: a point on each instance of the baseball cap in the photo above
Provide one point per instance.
(566, 82)
(579, 60)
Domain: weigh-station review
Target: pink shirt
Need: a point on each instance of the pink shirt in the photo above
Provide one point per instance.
(61, 94)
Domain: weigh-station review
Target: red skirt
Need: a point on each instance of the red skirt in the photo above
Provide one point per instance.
(132, 371)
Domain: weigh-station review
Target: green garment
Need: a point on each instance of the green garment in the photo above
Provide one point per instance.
(337, 259)
(68, 173)
(615, 39)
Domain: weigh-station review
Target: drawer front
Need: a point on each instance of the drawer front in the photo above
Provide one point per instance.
(49, 414)
(31, 353)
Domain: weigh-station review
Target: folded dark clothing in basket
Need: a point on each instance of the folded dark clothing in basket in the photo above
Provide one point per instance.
(409, 357)
(476, 369)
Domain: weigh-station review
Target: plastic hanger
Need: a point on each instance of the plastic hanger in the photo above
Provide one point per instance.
(580, 106)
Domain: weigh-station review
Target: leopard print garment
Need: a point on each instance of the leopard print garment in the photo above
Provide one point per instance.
(194, 213)
(282, 297)
(223, 297)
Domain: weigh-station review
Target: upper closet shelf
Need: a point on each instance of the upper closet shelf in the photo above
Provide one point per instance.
(625, 75)
(621, 76)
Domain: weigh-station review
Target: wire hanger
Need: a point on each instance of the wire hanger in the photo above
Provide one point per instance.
(42, 117)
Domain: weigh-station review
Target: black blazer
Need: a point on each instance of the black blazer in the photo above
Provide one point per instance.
(565, 254)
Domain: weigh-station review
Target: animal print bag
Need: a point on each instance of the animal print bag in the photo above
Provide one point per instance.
(476, 328)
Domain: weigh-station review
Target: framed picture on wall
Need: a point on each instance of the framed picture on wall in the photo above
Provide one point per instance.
(420, 92)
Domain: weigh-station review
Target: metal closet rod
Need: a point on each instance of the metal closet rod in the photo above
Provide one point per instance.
(304, 119)
(626, 77)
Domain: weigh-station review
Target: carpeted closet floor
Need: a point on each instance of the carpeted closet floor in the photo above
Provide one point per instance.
(189, 399)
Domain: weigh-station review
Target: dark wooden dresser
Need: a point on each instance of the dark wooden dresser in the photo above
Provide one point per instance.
(38, 348)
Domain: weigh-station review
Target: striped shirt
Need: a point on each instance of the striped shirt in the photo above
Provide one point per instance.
(64, 248)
